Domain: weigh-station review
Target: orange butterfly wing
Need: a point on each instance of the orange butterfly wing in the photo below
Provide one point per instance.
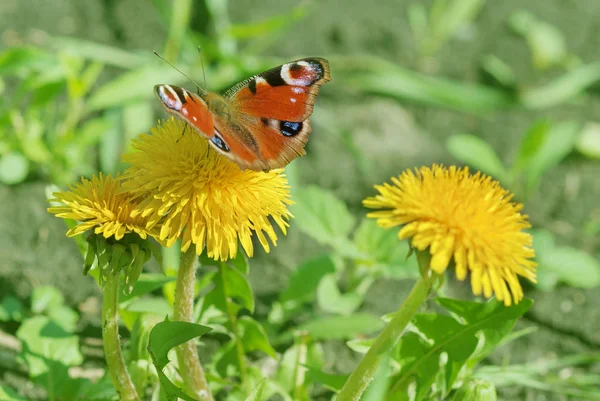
(260, 123)
(286, 93)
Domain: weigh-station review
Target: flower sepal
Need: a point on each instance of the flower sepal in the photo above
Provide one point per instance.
(107, 256)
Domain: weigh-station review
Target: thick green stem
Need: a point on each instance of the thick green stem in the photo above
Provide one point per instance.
(364, 373)
(112, 344)
(190, 368)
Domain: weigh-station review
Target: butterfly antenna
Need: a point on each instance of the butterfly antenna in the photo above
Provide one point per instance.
(202, 63)
(178, 70)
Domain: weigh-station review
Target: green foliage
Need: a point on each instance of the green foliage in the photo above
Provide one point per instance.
(432, 28)
(325, 218)
(342, 327)
(563, 264)
(71, 107)
(165, 336)
(546, 43)
(543, 147)
(456, 338)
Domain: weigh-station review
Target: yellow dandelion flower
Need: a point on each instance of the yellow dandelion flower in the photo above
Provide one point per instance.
(99, 204)
(464, 218)
(202, 197)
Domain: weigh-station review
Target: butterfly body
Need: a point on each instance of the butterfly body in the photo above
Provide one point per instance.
(261, 123)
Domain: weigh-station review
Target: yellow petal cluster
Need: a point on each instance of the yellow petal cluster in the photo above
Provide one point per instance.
(467, 219)
(99, 204)
(187, 190)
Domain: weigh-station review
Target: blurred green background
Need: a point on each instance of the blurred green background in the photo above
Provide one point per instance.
(506, 87)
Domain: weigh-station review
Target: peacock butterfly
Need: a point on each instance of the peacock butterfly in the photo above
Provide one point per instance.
(260, 123)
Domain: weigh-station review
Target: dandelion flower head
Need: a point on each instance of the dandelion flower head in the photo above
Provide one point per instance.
(461, 217)
(99, 204)
(200, 196)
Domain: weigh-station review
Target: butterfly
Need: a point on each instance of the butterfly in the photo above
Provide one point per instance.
(260, 123)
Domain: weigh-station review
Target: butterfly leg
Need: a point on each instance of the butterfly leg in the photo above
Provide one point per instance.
(182, 132)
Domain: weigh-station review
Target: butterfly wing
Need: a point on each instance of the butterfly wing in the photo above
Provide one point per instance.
(225, 136)
(285, 93)
(187, 105)
(273, 108)
(258, 144)
(265, 125)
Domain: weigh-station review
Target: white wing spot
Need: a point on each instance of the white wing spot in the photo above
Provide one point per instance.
(172, 101)
(287, 77)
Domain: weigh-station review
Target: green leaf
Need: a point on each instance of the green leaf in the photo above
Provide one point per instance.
(100, 52)
(111, 143)
(360, 345)
(155, 305)
(268, 26)
(140, 335)
(333, 301)
(236, 286)
(377, 389)
(45, 341)
(305, 280)
(563, 88)
(8, 394)
(256, 394)
(499, 71)
(476, 390)
(45, 298)
(478, 154)
(50, 301)
(323, 217)
(65, 317)
(342, 327)
(14, 168)
(254, 336)
(132, 86)
(178, 26)
(547, 44)
(165, 336)
(25, 59)
(240, 262)
(145, 284)
(296, 358)
(573, 266)
(557, 143)
(474, 312)
(543, 242)
(11, 308)
(331, 381)
(588, 142)
(450, 17)
(383, 250)
(419, 354)
(137, 118)
(374, 75)
(531, 143)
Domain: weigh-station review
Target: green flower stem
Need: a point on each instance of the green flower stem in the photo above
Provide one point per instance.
(364, 373)
(112, 344)
(190, 369)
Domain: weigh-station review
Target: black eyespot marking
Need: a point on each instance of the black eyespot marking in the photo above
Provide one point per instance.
(289, 128)
(273, 77)
(219, 142)
(265, 121)
(252, 86)
(296, 67)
